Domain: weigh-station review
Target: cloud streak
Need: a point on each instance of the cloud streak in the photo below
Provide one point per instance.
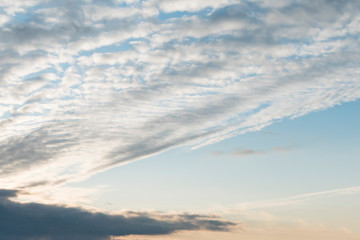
(245, 152)
(299, 199)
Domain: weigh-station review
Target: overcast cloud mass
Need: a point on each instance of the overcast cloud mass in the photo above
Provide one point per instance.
(88, 85)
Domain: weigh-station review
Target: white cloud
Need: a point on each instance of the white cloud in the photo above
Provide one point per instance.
(12, 7)
(116, 85)
(3, 19)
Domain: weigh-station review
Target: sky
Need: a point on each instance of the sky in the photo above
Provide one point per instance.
(201, 119)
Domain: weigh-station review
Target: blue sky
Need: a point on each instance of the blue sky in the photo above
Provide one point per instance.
(208, 119)
(289, 158)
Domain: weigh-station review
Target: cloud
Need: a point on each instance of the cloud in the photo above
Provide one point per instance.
(299, 199)
(249, 152)
(41, 145)
(125, 85)
(38, 221)
(6, 193)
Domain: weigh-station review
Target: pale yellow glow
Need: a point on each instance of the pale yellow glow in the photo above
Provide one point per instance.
(315, 233)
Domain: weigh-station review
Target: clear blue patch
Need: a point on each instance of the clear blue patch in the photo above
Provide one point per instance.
(118, 47)
(6, 115)
(64, 66)
(163, 16)
(67, 98)
(22, 17)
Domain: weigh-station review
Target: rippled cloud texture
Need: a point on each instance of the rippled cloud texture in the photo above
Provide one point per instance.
(88, 85)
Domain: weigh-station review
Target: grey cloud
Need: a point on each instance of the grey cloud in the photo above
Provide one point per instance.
(240, 12)
(247, 152)
(38, 147)
(163, 128)
(319, 12)
(35, 184)
(31, 34)
(7, 193)
(217, 153)
(70, 26)
(146, 146)
(39, 221)
(166, 130)
(250, 152)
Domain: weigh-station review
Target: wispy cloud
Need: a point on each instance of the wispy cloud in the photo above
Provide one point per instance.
(82, 91)
(298, 199)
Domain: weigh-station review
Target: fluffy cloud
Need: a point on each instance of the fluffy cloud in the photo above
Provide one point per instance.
(88, 85)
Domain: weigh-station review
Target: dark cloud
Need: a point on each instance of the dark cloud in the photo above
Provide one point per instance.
(39, 221)
(6, 193)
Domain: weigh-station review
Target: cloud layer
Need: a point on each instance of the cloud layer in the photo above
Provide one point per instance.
(88, 85)
(37, 221)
